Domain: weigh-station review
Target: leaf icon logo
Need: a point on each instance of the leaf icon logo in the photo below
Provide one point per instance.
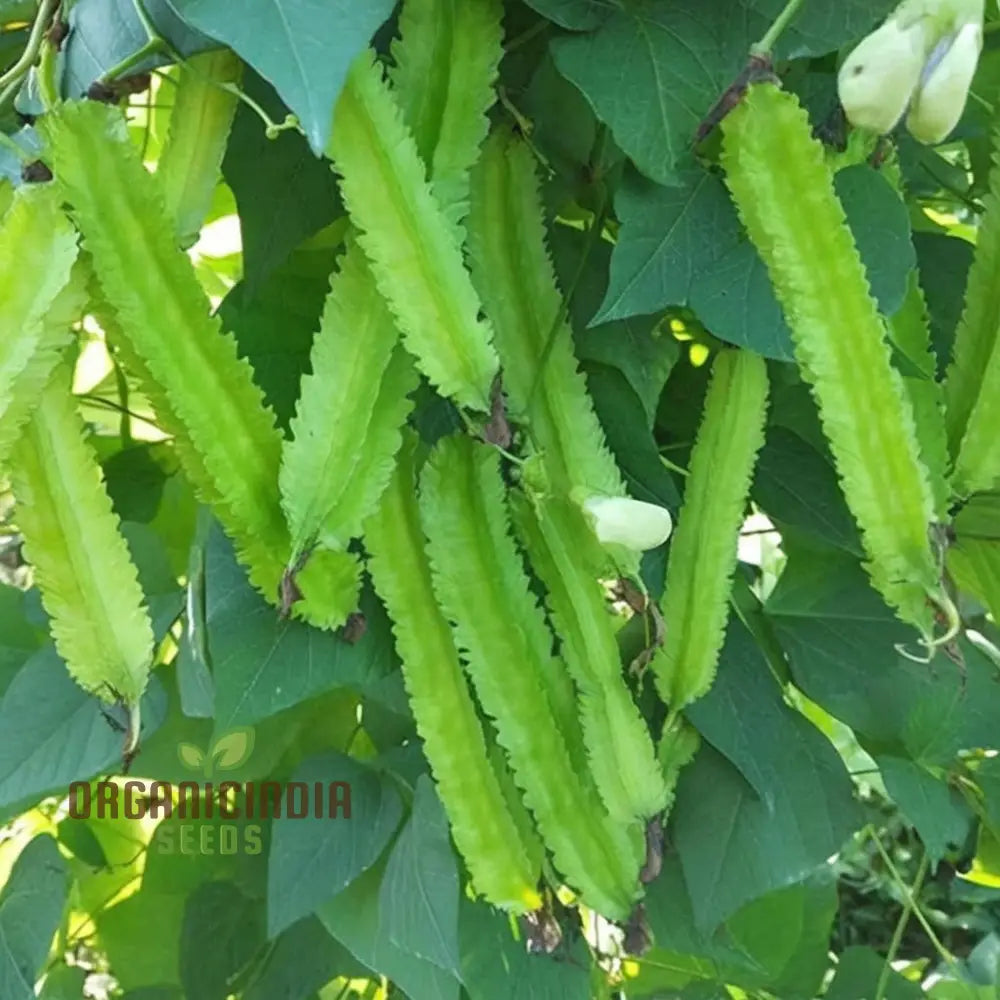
(233, 749)
(230, 751)
(191, 756)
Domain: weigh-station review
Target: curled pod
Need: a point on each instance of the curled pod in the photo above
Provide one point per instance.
(191, 161)
(37, 254)
(703, 552)
(493, 845)
(564, 553)
(541, 377)
(499, 628)
(81, 564)
(776, 173)
(409, 240)
(203, 392)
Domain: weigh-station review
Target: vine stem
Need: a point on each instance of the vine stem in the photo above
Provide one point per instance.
(910, 900)
(154, 45)
(897, 934)
(781, 22)
(27, 59)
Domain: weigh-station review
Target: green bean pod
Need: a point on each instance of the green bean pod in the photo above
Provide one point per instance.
(82, 566)
(703, 551)
(498, 626)
(482, 824)
(776, 173)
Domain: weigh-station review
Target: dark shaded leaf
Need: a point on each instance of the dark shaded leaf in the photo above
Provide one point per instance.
(31, 908)
(418, 901)
(304, 47)
(284, 193)
(353, 918)
(313, 858)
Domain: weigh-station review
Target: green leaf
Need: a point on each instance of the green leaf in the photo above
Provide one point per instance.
(621, 414)
(220, 933)
(154, 993)
(164, 597)
(937, 811)
(796, 486)
(31, 908)
(104, 32)
(858, 973)
(682, 245)
(78, 837)
(354, 918)
(302, 959)
(778, 942)
(64, 982)
(681, 56)
(764, 838)
(262, 665)
(944, 263)
(135, 481)
(579, 15)
(19, 638)
(643, 352)
(283, 191)
(305, 47)
(840, 639)
(274, 319)
(314, 858)
(193, 849)
(418, 899)
(497, 966)
(54, 732)
(127, 928)
(796, 959)
(880, 222)
(987, 777)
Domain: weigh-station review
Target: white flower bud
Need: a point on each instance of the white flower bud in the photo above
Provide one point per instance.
(944, 87)
(880, 76)
(923, 58)
(632, 523)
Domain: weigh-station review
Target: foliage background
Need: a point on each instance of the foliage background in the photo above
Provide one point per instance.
(835, 773)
